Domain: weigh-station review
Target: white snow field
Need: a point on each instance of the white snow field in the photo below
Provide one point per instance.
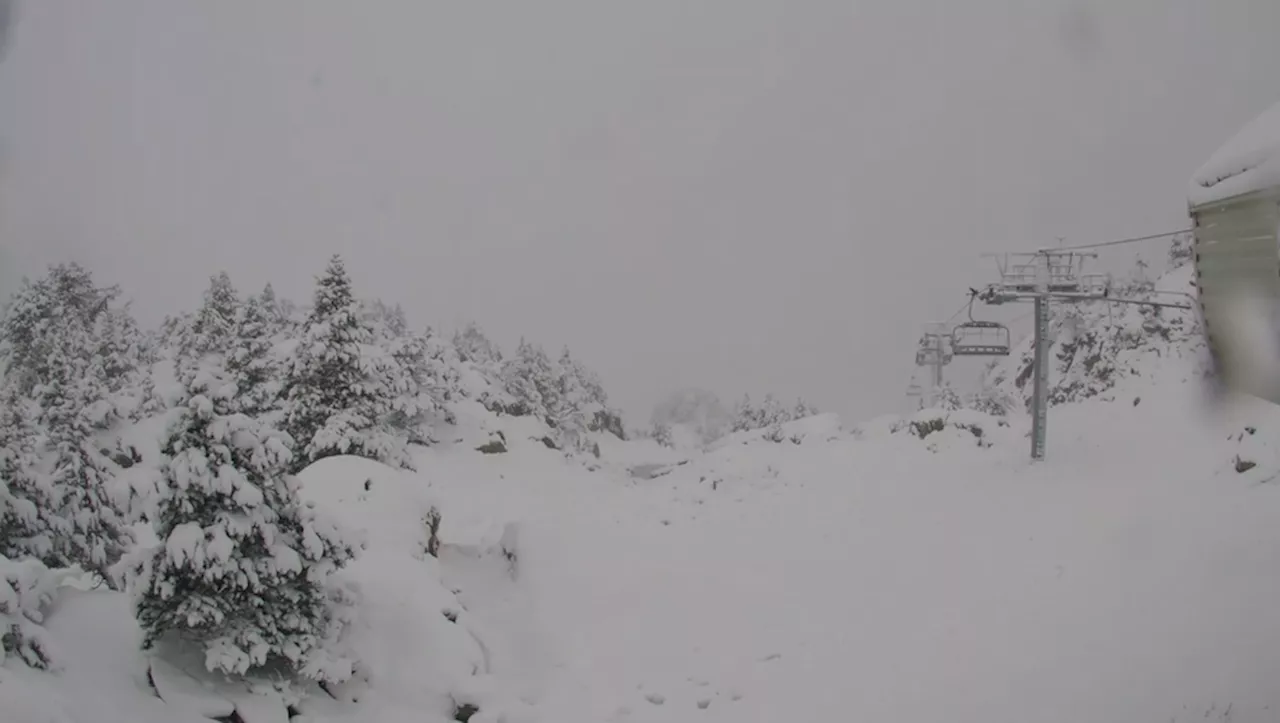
(841, 574)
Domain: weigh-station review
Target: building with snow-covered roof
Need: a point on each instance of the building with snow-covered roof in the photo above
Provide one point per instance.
(1234, 202)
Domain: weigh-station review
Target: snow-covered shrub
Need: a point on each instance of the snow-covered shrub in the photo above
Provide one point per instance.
(27, 588)
(963, 425)
(661, 433)
(747, 416)
(241, 564)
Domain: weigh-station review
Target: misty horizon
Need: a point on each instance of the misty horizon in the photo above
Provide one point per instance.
(744, 198)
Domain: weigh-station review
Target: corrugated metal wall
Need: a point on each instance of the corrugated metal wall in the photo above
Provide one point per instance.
(1235, 245)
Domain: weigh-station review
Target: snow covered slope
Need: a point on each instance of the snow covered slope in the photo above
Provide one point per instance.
(892, 571)
(1113, 351)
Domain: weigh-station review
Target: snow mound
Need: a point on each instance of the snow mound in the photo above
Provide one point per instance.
(101, 675)
(419, 658)
(816, 428)
(1248, 162)
(27, 590)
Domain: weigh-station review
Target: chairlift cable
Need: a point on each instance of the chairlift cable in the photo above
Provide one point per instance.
(1118, 242)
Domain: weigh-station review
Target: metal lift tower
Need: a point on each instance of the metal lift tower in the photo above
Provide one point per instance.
(1040, 277)
(934, 352)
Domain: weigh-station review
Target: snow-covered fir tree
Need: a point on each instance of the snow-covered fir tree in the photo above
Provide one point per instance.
(660, 432)
(594, 401)
(241, 564)
(336, 399)
(22, 532)
(66, 296)
(572, 404)
(530, 379)
(745, 416)
(770, 414)
(126, 356)
(274, 311)
(213, 326)
(474, 347)
(802, 410)
(250, 363)
(477, 365)
(407, 371)
(82, 518)
(443, 371)
(68, 355)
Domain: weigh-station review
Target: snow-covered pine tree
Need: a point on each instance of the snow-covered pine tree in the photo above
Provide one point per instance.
(334, 403)
(213, 327)
(241, 563)
(58, 375)
(802, 410)
(772, 412)
(661, 433)
(443, 373)
(250, 364)
(745, 415)
(65, 296)
(173, 329)
(474, 347)
(477, 365)
(83, 519)
(23, 534)
(594, 404)
(572, 404)
(405, 370)
(273, 311)
(126, 356)
(530, 380)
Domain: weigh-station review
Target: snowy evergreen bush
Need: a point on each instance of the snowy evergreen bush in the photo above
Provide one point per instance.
(241, 564)
(661, 433)
(27, 588)
(770, 414)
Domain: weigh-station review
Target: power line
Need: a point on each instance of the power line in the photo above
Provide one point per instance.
(1118, 242)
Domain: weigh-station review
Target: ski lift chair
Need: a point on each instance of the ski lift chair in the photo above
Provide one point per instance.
(980, 338)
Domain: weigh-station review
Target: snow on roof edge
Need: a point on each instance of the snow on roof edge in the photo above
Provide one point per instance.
(1249, 162)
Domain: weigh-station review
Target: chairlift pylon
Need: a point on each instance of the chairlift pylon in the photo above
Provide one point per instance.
(979, 338)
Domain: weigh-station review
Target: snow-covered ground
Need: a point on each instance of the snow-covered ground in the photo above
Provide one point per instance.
(861, 573)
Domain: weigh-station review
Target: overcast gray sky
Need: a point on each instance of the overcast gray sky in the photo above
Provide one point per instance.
(735, 194)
